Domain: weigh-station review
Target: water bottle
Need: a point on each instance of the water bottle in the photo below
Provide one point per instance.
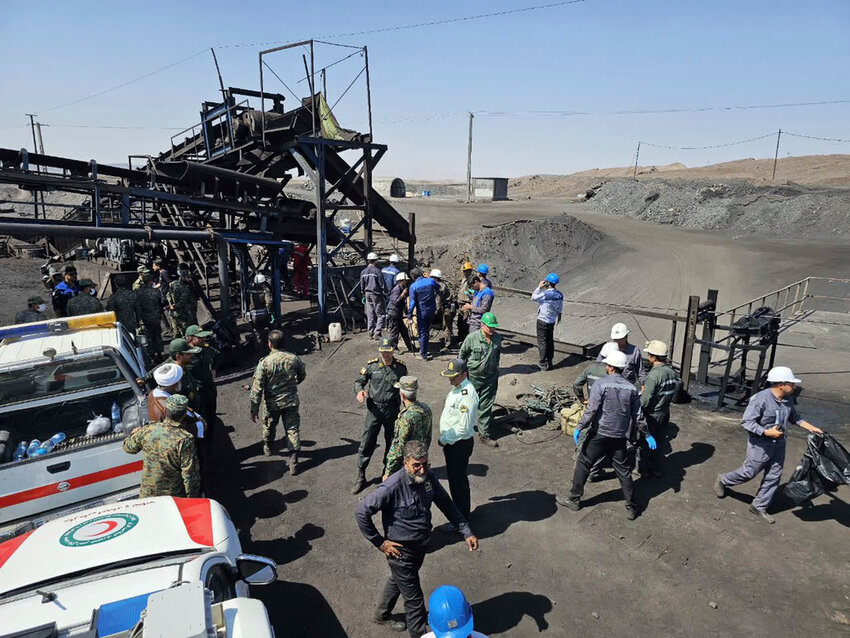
(34, 445)
(20, 451)
(116, 414)
(52, 442)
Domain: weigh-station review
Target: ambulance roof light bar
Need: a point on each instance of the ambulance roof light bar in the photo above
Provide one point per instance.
(99, 320)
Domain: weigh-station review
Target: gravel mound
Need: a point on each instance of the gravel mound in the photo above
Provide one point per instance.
(790, 210)
(518, 252)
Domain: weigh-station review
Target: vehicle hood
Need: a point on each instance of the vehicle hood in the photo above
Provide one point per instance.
(100, 536)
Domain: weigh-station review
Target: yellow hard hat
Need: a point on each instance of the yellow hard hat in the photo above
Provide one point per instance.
(467, 266)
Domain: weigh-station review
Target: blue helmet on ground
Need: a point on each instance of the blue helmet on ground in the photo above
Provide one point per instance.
(449, 613)
(552, 278)
(484, 269)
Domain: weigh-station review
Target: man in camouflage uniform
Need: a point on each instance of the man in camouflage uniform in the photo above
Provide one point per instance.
(202, 368)
(170, 460)
(149, 312)
(181, 353)
(275, 383)
(182, 302)
(123, 304)
(376, 387)
(36, 306)
(86, 302)
(465, 293)
(142, 279)
(414, 423)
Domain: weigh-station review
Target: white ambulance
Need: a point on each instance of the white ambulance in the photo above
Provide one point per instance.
(94, 572)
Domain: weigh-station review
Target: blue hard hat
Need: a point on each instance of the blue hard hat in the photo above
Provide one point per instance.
(450, 614)
(552, 278)
(484, 269)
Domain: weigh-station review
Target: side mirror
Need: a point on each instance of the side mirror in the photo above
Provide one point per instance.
(256, 570)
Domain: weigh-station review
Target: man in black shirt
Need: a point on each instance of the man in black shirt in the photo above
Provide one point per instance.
(404, 501)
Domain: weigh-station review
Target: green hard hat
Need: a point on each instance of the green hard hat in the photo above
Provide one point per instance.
(489, 320)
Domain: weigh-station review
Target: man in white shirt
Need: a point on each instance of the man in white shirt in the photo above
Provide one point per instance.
(457, 423)
(450, 614)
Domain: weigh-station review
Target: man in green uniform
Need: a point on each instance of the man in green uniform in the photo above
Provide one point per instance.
(181, 353)
(376, 387)
(661, 385)
(36, 307)
(123, 304)
(482, 351)
(414, 423)
(170, 465)
(142, 279)
(202, 367)
(275, 383)
(182, 302)
(149, 312)
(86, 302)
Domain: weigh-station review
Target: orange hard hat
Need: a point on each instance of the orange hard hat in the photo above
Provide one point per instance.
(467, 266)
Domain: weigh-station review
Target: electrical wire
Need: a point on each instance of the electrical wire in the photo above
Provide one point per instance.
(265, 64)
(812, 137)
(325, 68)
(702, 148)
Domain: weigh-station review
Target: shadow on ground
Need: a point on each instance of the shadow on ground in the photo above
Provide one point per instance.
(502, 613)
(300, 609)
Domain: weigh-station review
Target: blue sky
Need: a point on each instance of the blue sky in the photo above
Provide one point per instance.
(596, 56)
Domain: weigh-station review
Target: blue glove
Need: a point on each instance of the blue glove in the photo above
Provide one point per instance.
(576, 435)
(650, 441)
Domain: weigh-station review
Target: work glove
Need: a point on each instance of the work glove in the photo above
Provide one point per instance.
(650, 441)
(577, 434)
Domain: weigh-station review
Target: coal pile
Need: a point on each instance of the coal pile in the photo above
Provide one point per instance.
(518, 252)
(788, 210)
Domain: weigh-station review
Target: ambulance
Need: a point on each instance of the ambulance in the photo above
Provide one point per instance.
(94, 573)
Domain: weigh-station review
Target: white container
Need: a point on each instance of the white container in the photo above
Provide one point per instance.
(334, 332)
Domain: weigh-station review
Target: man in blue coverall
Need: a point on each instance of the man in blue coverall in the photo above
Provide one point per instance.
(423, 297)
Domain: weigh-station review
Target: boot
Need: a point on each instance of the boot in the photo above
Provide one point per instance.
(486, 440)
(359, 482)
(267, 448)
(293, 463)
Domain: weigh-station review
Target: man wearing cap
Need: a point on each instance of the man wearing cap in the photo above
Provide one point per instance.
(766, 418)
(275, 384)
(141, 279)
(634, 371)
(404, 500)
(65, 291)
(465, 293)
(123, 303)
(390, 271)
(170, 466)
(149, 313)
(182, 302)
(457, 432)
(202, 367)
(446, 306)
(396, 312)
(36, 307)
(86, 302)
(482, 302)
(414, 423)
(660, 387)
(376, 388)
(181, 353)
(423, 299)
(482, 351)
(551, 305)
(614, 416)
(375, 294)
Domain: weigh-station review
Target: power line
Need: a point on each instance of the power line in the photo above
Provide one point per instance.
(812, 137)
(701, 148)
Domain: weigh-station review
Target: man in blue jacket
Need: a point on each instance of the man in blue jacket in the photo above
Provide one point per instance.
(548, 314)
(64, 291)
(423, 297)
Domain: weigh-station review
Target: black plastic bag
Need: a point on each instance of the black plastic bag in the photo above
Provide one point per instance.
(839, 456)
(804, 484)
(824, 466)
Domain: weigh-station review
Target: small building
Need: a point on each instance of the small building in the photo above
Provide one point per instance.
(389, 187)
(490, 188)
(397, 188)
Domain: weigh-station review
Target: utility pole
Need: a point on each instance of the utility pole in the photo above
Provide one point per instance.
(776, 155)
(637, 155)
(469, 162)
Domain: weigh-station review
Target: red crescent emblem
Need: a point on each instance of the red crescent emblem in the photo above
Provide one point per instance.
(110, 525)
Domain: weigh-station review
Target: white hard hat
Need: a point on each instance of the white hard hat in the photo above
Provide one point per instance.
(617, 360)
(608, 348)
(371, 257)
(394, 259)
(260, 279)
(619, 331)
(781, 374)
(168, 374)
(658, 348)
(436, 272)
(401, 276)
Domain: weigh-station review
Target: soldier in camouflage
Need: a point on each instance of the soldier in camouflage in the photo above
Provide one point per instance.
(149, 313)
(275, 383)
(202, 368)
(142, 279)
(414, 423)
(182, 302)
(170, 460)
(36, 307)
(123, 304)
(86, 302)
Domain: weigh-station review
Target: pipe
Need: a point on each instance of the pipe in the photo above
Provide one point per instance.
(119, 232)
(214, 178)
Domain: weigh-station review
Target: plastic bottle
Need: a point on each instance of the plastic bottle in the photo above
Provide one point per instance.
(52, 442)
(116, 414)
(20, 451)
(34, 445)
